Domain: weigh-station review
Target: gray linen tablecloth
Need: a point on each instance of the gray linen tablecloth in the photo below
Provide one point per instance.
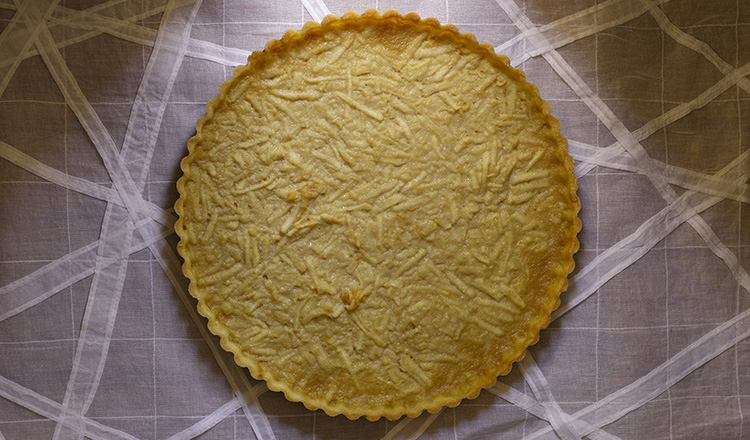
(99, 339)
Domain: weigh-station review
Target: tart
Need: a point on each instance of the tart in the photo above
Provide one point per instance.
(377, 215)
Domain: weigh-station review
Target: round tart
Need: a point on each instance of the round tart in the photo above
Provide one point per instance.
(377, 215)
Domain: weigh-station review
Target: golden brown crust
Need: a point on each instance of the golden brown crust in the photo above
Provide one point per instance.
(552, 299)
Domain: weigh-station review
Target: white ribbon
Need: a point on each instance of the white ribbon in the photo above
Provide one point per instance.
(106, 288)
(208, 422)
(643, 390)
(78, 184)
(628, 250)
(89, 23)
(558, 419)
(128, 31)
(572, 28)
(20, 33)
(317, 9)
(688, 179)
(691, 42)
(531, 406)
(68, 36)
(50, 279)
(411, 429)
(45, 407)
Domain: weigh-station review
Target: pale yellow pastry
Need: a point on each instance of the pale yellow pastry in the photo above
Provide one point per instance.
(377, 215)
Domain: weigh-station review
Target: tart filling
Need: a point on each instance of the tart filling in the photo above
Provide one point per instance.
(377, 215)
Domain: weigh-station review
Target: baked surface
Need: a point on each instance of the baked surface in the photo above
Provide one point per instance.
(377, 215)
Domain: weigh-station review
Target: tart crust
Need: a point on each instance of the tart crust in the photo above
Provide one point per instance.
(377, 215)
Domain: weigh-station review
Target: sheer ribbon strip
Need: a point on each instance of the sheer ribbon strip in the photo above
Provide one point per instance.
(45, 407)
(29, 19)
(67, 36)
(558, 419)
(317, 9)
(598, 18)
